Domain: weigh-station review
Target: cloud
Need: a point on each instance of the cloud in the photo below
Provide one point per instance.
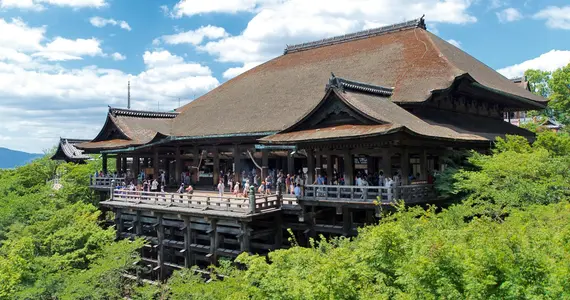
(190, 8)
(102, 22)
(277, 23)
(194, 37)
(39, 95)
(118, 56)
(556, 17)
(455, 43)
(61, 49)
(40, 4)
(549, 61)
(509, 15)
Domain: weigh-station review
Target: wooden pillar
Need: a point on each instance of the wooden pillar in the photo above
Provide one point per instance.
(104, 163)
(330, 166)
(318, 164)
(387, 162)
(405, 165)
(216, 154)
(146, 163)
(124, 165)
(177, 165)
(346, 221)
(189, 260)
(290, 163)
(135, 166)
(155, 164)
(245, 244)
(195, 165)
(348, 167)
(118, 161)
(213, 232)
(119, 223)
(138, 224)
(160, 236)
(370, 164)
(264, 163)
(237, 163)
(310, 167)
(423, 165)
(278, 231)
(166, 168)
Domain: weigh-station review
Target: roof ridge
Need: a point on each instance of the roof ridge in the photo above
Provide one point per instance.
(141, 113)
(342, 84)
(417, 23)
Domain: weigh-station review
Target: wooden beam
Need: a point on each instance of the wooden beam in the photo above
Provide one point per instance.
(160, 236)
(214, 241)
(245, 237)
(178, 165)
(310, 166)
(216, 170)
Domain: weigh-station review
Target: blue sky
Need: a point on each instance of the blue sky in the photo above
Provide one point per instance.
(63, 61)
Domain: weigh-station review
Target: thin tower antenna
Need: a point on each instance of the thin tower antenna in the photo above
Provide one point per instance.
(129, 95)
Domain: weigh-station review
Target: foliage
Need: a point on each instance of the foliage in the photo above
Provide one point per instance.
(554, 86)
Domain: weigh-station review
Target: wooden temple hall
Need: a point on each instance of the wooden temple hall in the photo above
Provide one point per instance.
(391, 102)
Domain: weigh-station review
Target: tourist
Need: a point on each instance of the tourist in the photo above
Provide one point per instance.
(261, 188)
(221, 188)
(288, 188)
(180, 189)
(162, 178)
(154, 185)
(236, 189)
(268, 185)
(297, 191)
(381, 178)
(246, 188)
(190, 189)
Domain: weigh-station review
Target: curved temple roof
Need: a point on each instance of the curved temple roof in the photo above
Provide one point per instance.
(67, 151)
(274, 95)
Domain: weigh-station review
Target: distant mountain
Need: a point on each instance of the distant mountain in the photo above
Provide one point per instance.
(12, 158)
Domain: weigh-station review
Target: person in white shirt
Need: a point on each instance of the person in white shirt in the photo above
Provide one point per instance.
(246, 188)
(162, 178)
(154, 185)
(221, 188)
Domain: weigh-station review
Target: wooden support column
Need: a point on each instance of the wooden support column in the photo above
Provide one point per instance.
(244, 238)
(387, 162)
(119, 223)
(195, 168)
(136, 167)
(423, 165)
(310, 167)
(138, 224)
(278, 231)
(104, 163)
(189, 260)
(216, 154)
(318, 164)
(146, 163)
(124, 165)
(370, 164)
(213, 232)
(346, 221)
(237, 163)
(348, 168)
(330, 166)
(155, 164)
(405, 165)
(264, 163)
(160, 236)
(177, 165)
(166, 167)
(290, 163)
(118, 161)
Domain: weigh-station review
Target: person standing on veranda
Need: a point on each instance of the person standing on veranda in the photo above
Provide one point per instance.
(221, 188)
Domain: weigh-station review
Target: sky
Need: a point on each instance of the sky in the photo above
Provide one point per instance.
(63, 62)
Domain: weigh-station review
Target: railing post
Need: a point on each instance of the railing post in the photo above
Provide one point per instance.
(112, 189)
(251, 200)
(279, 194)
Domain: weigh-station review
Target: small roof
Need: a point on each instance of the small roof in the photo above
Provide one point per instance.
(127, 127)
(405, 57)
(67, 151)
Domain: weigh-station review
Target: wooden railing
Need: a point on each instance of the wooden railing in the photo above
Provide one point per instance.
(343, 193)
(106, 181)
(249, 205)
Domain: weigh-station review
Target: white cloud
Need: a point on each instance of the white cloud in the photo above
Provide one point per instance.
(556, 17)
(233, 72)
(118, 56)
(61, 49)
(280, 22)
(455, 43)
(190, 7)
(102, 22)
(509, 15)
(40, 4)
(194, 37)
(549, 61)
(19, 36)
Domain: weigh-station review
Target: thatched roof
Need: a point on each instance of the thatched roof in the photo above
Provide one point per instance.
(274, 95)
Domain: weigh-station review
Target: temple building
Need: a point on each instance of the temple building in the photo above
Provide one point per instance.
(391, 100)
(66, 151)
